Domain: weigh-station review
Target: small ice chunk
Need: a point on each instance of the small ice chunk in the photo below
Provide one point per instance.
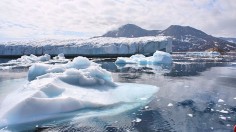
(212, 128)
(224, 111)
(221, 100)
(235, 98)
(79, 63)
(190, 115)
(170, 104)
(138, 120)
(143, 98)
(228, 125)
(212, 109)
(146, 107)
(222, 117)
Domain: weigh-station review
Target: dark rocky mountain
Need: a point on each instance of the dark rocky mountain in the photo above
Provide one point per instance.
(232, 40)
(185, 38)
(130, 31)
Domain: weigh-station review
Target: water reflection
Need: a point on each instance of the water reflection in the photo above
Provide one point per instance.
(175, 70)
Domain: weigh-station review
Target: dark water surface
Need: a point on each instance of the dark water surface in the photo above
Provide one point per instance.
(193, 97)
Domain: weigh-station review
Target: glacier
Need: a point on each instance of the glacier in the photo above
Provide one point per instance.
(58, 89)
(100, 46)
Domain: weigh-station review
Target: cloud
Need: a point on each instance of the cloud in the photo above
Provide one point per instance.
(80, 18)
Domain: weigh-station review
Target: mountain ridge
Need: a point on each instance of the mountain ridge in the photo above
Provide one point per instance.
(185, 38)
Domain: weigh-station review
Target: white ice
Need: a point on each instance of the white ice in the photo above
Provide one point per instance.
(190, 115)
(221, 101)
(170, 104)
(31, 59)
(55, 90)
(224, 111)
(39, 69)
(159, 57)
(27, 61)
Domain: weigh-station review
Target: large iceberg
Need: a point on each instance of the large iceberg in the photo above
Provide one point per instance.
(55, 90)
(159, 57)
(100, 46)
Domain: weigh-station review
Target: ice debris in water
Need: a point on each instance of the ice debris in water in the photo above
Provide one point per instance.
(222, 117)
(146, 107)
(224, 111)
(221, 100)
(137, 120)
(190, 115)
(170, 104)
(55, 90)
(27, 61)
(159, 57)
(31, 59)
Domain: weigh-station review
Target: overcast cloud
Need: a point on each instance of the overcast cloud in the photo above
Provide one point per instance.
(27, 19)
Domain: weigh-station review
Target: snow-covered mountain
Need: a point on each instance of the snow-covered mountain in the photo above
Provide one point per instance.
(185, 38)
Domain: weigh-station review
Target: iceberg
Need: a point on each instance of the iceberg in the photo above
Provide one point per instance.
(26, 61)
(39, 69)
(31, 59)
(56, 90)
(159, 57)
(60, 56)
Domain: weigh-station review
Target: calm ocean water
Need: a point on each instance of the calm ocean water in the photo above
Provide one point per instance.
(188, 99)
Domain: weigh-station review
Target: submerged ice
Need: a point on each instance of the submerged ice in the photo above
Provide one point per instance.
(54, 90)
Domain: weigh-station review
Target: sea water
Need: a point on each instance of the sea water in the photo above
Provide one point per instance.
(197, 96)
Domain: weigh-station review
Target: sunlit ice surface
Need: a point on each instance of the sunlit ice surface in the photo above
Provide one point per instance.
(78, 88)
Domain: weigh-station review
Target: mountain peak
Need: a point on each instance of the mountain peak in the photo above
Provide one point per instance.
(178, 31)
(130, 31)
(185, 38)
(129, 26)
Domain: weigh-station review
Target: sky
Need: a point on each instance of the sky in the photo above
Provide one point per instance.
(67, 19)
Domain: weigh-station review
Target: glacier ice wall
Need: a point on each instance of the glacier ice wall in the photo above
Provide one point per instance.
(100, 46)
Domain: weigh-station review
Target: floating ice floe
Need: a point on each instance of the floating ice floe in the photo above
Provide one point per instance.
(159, 57)
(221, 101)
(224, 111)
(190, 115)
(222, 117)
(56, 90)
(170, 104)
(137, 120)
(159, 63)
(26, 61)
